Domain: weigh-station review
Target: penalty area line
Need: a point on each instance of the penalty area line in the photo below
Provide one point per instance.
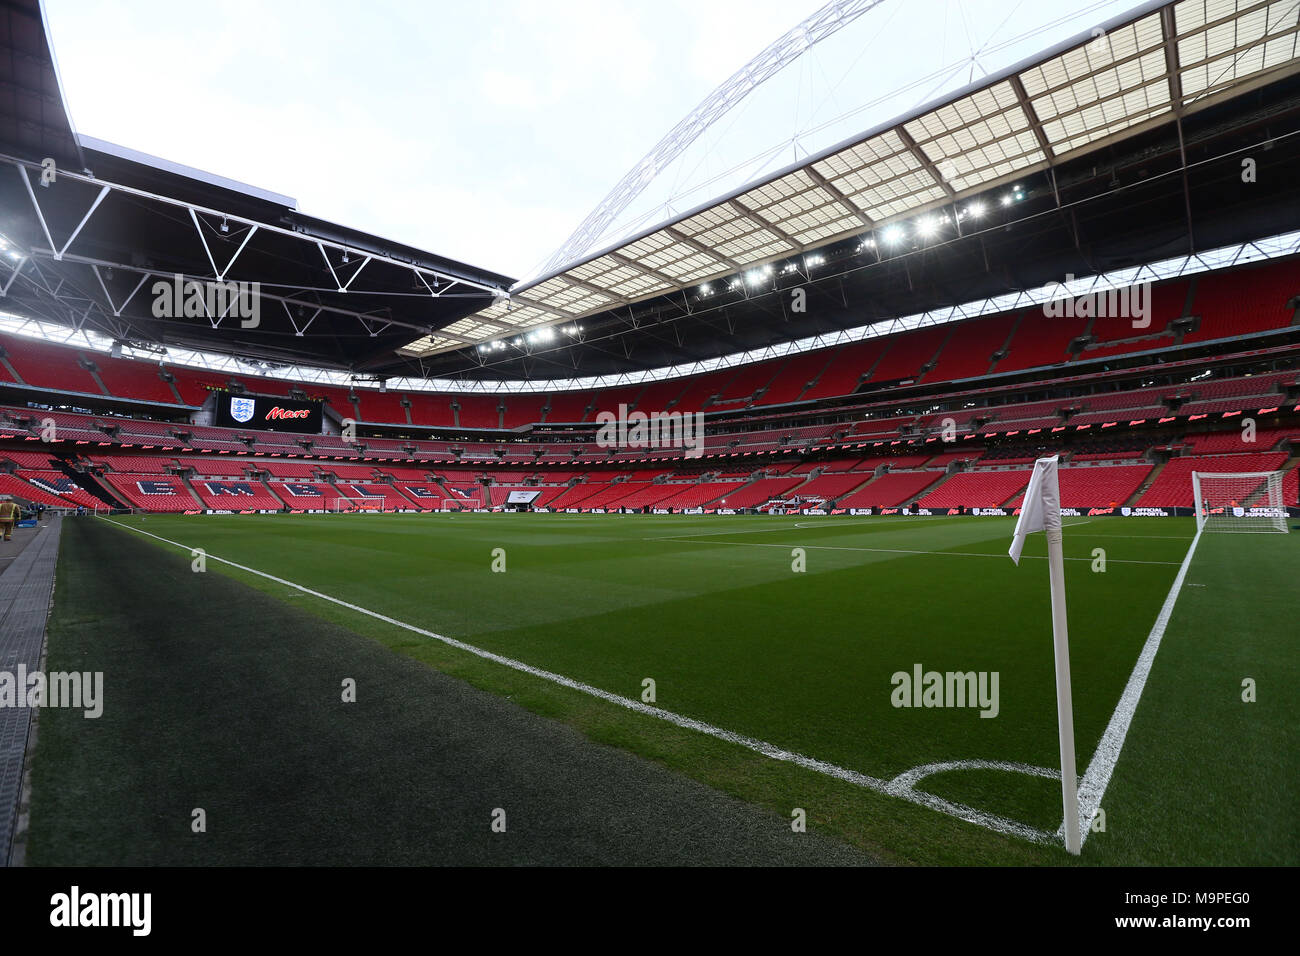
(900, 787)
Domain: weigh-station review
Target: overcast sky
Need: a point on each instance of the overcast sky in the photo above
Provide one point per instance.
(487, 130)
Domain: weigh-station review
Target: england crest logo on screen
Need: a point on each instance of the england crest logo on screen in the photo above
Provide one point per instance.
(241, 409)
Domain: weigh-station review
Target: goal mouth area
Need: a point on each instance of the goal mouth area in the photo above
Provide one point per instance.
(1240, 502)
(371, 504)
(460, 504)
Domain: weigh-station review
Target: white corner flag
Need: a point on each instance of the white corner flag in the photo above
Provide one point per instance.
(1041, 511)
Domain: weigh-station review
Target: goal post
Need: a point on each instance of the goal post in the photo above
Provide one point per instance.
(1242, 501)
(365, 503)
(460, 504)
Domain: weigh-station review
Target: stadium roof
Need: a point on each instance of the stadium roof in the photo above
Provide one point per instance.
(1148, 68)
(1131, 155)
(110, 221)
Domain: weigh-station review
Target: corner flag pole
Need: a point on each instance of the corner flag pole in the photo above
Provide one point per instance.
(1041, 511)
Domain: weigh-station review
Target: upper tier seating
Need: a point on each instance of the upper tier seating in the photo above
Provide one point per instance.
(44, 365)
(968, 353)
(1041, 340)
(1250, 299)
(795, 374)
(846, 368)
(129, 378)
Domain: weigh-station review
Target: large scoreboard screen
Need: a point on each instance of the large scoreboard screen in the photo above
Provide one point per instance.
(268, 412)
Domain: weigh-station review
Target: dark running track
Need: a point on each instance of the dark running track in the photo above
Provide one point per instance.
(221, 697)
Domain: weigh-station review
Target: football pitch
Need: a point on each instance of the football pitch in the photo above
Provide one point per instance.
(891, 678)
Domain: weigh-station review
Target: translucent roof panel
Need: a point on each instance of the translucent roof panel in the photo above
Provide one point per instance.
(1108, 84)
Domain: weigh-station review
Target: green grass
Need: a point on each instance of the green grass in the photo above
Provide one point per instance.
(710, 609)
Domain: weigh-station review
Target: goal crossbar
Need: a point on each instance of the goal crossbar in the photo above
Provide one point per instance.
(1239, 501)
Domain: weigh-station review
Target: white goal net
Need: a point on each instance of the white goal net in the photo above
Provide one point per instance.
(1239, 501)
(461, 504)
(369, 503)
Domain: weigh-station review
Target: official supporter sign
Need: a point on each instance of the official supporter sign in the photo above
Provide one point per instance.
(860, 511)
(726, 511)
(660, 511)
(987, 512)
(269, 412)
(693, 511)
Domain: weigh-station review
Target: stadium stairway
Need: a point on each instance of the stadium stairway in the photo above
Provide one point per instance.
(1292, 464)
(1147, 482)
(813, 476)
(277, 496)
(94, 374)
(818, 473)
(1256, 499)
(1014, 500)
(199, 503)
(733, 491)
(930, 488)
(89, 483)
(854, 490)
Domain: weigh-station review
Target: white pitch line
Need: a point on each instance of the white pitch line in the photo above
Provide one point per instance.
(904, 786)
(805, 526)
(1097, 777)
(899, 787)
(955, 554)
(1141, 537)
(711, 534)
